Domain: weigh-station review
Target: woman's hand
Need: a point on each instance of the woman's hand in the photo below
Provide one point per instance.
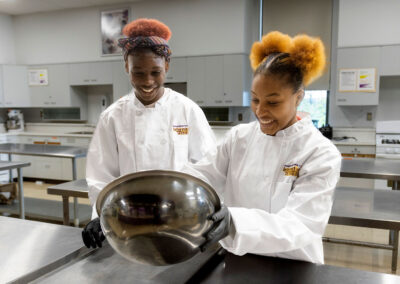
(92, 234)
(220, 228)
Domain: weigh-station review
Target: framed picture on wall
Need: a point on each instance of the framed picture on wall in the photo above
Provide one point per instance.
(111, 25)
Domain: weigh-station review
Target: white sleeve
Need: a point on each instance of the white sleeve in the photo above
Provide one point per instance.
(201, 138)
(102, 164)
(300, 223)
(213, 167)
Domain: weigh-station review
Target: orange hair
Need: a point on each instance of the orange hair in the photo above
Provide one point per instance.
(305, 52)
(147, 27)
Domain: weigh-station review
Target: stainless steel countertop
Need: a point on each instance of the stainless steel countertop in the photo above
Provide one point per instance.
(104, 265)
(360, 206)
(43, 150)
(12, 165)
(26, 246)
(76, 188)
(371, 168)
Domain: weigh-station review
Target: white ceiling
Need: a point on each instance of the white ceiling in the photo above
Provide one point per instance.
(19, 7)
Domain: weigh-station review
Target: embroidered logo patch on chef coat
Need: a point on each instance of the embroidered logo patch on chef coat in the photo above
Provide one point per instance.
(181, 129)
(291, 170)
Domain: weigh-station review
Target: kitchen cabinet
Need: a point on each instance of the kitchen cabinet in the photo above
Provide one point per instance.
(57, 92)
(390, 60)
(360, 57)
(121, 82)
(14, 91)
(219, 80)
(177, 70)
(90, 73)
(196, 79)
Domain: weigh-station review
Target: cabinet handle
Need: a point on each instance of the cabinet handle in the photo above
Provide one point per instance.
(8, 103)
(170, 77)
(218, 101)
(46, 103)
(86, 80)
(228, 101)
(53, 103)
(199, 102)
(94, 80)
(342, 100)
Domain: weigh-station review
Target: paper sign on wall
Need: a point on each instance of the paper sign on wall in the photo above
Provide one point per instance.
(38, 77)
(357, 80)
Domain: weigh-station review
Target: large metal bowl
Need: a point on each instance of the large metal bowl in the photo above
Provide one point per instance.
(156, 217)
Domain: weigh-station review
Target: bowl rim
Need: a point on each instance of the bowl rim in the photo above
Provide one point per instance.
(110, 186)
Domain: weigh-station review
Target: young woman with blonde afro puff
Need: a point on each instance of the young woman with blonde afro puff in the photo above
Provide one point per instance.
(153, 127)
(276, 175)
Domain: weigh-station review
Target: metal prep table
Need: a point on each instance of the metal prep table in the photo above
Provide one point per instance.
(75, 188)
(388, 169)
(28, 246)
(372, 208)
(4, 166)
(252, 268)
(55, 151)
(37, 252)
(372, 169)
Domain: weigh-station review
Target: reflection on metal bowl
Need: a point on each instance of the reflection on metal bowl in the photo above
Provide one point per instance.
(156, 217)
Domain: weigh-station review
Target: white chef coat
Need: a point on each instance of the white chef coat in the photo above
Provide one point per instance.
(274, 211)
(131, 137)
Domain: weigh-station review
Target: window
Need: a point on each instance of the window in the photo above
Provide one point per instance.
(315, 103)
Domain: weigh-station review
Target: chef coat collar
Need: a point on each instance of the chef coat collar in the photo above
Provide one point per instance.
(158, 103)
(295, 128)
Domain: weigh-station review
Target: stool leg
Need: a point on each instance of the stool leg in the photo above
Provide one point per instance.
(395, 250)
(76, 218)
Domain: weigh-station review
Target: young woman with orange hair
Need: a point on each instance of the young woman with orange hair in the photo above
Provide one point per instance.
(275, 175)
(151, 128)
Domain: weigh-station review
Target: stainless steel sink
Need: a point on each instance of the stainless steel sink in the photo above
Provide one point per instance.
(82, 132)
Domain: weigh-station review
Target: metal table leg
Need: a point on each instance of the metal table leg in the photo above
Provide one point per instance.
(391, 232)
(21, 194)
(11, 171)
(65, 210)
(76, 219)
(395, 250)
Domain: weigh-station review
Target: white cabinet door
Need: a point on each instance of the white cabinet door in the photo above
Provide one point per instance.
(234, 79)
(390, 60)
(196, 79)
(57, 92)
(354, 58)
(214, 80)
(93, 73)
(15, 86)
(177, 70)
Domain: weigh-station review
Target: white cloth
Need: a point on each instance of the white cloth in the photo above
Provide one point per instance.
(274, 214)
(130, 137)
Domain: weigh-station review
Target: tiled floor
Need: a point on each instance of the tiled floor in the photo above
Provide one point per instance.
(370, 259)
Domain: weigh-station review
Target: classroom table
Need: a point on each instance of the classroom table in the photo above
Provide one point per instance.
(372, 208)
(44, 150)
(75, 188)
(4, 166)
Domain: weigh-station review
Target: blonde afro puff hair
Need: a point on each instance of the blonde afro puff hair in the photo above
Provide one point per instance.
(307, 53)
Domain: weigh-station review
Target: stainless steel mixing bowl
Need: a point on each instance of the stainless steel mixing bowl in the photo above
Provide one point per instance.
(157, 217)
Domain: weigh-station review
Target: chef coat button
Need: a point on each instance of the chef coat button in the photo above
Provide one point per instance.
(163, 141)
(138, 112)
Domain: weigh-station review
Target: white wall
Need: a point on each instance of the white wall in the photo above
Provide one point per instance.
(199, 27)
(7, 53)
(368, 22)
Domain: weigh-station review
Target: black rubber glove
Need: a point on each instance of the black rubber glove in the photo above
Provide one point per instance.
(220, 228)
(92, 234)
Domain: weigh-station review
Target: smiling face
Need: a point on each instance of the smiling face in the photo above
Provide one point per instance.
(147, 73)
(274, 103)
